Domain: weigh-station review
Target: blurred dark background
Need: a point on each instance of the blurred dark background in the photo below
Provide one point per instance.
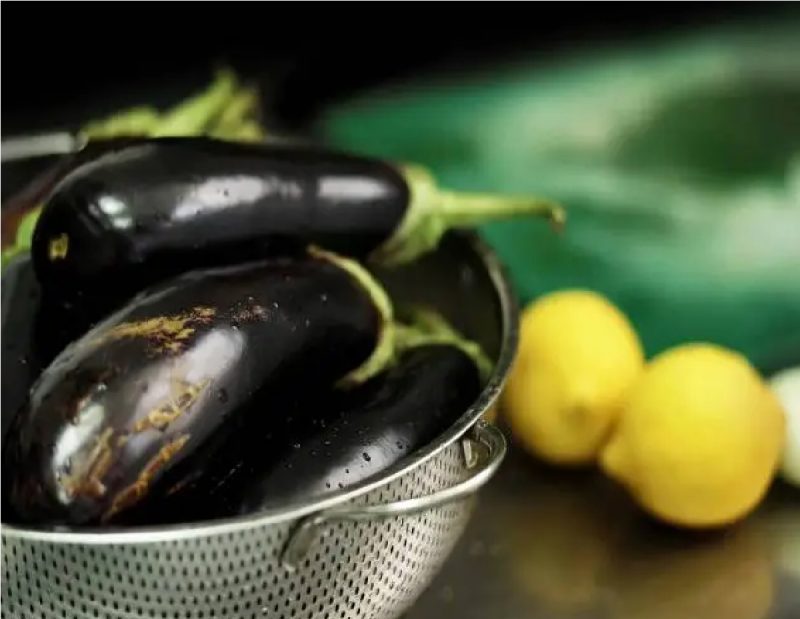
(57, 61)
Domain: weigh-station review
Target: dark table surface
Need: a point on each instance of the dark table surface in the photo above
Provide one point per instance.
(550, 544)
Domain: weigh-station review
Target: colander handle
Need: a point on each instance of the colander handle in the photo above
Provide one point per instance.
(482, 470)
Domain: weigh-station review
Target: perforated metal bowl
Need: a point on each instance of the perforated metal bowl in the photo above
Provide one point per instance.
(367, 551)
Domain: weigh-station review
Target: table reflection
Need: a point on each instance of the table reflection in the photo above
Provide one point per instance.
(554, 544)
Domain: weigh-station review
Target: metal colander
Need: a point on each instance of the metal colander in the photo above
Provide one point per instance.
(349, 561)
(366, 552)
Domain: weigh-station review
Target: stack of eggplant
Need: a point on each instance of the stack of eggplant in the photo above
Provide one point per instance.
(196, 334)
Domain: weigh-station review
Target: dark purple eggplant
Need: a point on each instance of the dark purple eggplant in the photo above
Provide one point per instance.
(332, 439)
(36, 191)
(22, 362)
(154, 208)
(401, 411)
(164, 383)
(34, 330)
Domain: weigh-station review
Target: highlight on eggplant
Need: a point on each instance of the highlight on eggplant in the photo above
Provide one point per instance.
(148, 209)
(35, 328)
(167, 381)
(225, 108)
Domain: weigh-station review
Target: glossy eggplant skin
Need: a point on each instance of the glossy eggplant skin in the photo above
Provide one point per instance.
(164, 383)
(402, 411)
(334, 439)
(36, 191)
(35, 328)
(154, 208)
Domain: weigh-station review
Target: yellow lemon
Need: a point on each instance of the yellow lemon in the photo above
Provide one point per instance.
(577, 359)
(700, 438)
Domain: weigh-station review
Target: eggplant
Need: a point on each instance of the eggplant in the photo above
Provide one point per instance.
(153, 208)
(165, 382)
(399, 412)
(331, 440)
(22, 362)
(35, 192)
(33, 333)
(36, 327)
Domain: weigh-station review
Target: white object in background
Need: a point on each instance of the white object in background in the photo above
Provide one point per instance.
(786, 385)
(42, 145)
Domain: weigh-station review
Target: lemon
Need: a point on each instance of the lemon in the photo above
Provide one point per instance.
(578, 357)
(700, 438)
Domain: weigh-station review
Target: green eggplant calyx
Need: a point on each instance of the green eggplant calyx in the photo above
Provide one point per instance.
(22, 242)
(9, 253)
(384, 352)
(195, 114)
(238, 121)
(134, 121)
(224, 110)
(432, 212)
(423, 327)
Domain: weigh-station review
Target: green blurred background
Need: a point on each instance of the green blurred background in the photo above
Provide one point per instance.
(678, 161)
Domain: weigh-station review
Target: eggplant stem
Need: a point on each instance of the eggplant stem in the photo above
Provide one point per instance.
(241, 109)
(431, 212)
(134, 121)
(386, 347)
(425, 327)
(195, 114)
(471, 209)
